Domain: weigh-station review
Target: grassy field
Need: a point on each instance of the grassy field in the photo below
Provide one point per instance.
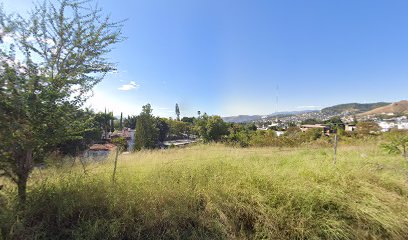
(216, 192)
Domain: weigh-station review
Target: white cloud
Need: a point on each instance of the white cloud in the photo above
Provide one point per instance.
(130, 86)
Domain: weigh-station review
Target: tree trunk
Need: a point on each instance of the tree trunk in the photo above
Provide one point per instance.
(22, 190)
(24, 167)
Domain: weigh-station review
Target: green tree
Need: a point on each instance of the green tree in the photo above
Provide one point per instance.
(310, 121)
(178, 129)
(163, 127)
(188, 119)
(130, 122)
(121, 143)
(121, 121)
(104, 119)
(64, 47)
(84, 130)
(335, 123)
(146, 134)
(215, 128)
(177, 112)
(398, 143)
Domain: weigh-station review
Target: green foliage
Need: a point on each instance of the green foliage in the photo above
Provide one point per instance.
(188, 119)
(293, 132)
(353, 107)
(397, 143)
(121, 121)
(84, 130)
(211, 128)
(146, 134)
(215, 192)
(367, 128)
(164, 128)
(313, 134)
(335, 123)
(130, 122)
(177, 112)
(64, 48)
(239, 135)
(121, 143)
(178, 129)
(311, 121)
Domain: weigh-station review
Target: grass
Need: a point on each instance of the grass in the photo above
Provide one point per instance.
(217, 192)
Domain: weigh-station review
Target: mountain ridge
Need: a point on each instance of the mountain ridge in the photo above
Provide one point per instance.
(360, 109)
(400, 107)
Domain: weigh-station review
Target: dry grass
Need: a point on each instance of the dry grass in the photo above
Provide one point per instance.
(216, 192)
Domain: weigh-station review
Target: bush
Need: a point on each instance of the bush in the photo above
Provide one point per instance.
(121, 143)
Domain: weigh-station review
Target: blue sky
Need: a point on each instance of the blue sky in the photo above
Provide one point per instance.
(227, 57)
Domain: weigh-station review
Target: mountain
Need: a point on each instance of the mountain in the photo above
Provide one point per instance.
(397, 107)
(353, 108)
(250, 118)
(242, 118)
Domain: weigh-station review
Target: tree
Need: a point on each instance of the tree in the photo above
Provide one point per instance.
(335, 123)
(121, 143)
(121, 121)
(216, 128)
(64, 48)
(178, 129)
(163, 127)
(199, 114)
(84, 131)
(177, 112)
(211, 128)
(310, 121)
(104, 119)
(398, 143)
(130, 122)
(188, 119)
(146, 134)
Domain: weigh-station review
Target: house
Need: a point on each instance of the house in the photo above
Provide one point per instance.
(100, 150)
(126, 133)
(350, 127)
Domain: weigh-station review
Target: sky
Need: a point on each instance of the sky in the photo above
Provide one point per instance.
(238, 57)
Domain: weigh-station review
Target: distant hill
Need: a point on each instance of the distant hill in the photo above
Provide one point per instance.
(242, 118)
(250, 118)
(397, 107)
(353, 108)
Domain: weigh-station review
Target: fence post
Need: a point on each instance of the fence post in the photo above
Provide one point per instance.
(335, 149)
(116, 162)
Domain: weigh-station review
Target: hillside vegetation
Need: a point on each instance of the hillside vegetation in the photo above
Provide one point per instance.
(353, 107)
(218, 192)
(400, 107)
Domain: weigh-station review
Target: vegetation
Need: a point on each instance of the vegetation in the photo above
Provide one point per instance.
(215, 192)
(63, 47)
(353, 107)
(398, 143)
(177, 112)
(366, 128)
(146, 133)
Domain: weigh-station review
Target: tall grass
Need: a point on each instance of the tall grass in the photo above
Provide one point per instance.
(217, 192)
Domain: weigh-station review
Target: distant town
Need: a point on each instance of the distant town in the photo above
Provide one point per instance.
(387, 115)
